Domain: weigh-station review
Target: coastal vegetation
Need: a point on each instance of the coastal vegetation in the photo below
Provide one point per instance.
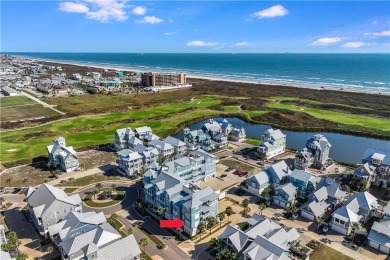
(92, 119)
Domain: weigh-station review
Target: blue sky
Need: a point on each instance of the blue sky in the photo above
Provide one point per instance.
(202, 26)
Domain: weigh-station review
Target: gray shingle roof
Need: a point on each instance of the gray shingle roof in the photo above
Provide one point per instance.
(123, 249)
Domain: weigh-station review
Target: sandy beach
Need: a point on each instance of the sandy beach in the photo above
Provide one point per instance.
(211, 78)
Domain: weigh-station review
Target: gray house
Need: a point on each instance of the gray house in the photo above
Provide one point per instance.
(379, 162)
(129, 162)
(62, 157)
(273, 143)
(257, 183)
(379, 236)
(165, 149)
(314, 154)
(122, 137)
(48, 205)
(179, 146)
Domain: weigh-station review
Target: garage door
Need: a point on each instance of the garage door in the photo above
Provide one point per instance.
(279, 203)
(384, 249)
(307, 215)
(339, 229)
(374, 244)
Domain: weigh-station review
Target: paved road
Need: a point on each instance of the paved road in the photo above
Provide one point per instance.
(13, 198)
(42, 103)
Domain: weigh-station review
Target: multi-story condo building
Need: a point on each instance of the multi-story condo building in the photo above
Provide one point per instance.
(172, 193)
(315, 154)
(47, 205)
(62, 157)
(273, 143)
(152, 79)
(198, 166)
(197, 138)
(124, 138)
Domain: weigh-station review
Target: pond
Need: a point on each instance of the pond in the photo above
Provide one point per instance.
(345, 148)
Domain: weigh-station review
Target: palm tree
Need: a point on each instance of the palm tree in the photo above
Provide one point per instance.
(228, 253)
(139, 205)
(130, 231)
(160, 211)
(233, 256)
(201, 227)
(218, 256)
(1, 201)
(114, 216)
(213, 242)
(229, 211)
(99, 186)
(319, 220)
(180, 232)
(383, 204)
(94, 192)
(355, 227)
(212, 221)
(292, 209)
(262, 207)
(245, 204)
(50, 249)
(8, 181)
(221, 217)
(143, 243)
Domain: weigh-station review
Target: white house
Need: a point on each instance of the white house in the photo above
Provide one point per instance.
(273, 143)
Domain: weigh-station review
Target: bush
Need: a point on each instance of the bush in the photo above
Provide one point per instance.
(161, 246)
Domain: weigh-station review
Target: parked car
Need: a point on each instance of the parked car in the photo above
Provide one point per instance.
(229, 169)
(17, 190)
(260, 163)
(223, 175)
(2, 190)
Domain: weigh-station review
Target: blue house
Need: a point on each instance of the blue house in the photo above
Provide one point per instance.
(304, 182)
(285, 195)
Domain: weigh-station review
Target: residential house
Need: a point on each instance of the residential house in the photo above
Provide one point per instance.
(149, 154)
(179, 146)
(365, 173)
(48, 205)
(326, 197)
(238, 134)
(386, 211)
(378, 161)
(379, 236)
(278, 173)
(61, 156)
(314, 154)
(165, 149)
(214, 130)
(358, 208)
(226, 127)
(273, 143)
(115, 251)
(257, 183)
(129, 162)
(142, 132)
(263, 239)
(305, 182)
(197, 138)
(85, 245)
(74, 224)
(122, 138)
(285, 195)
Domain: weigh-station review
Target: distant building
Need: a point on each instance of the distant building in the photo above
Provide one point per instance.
(273, 143)
(315, 154)
(7, 91)
(48, 205)
(77, 76)
(110, 83)
(61, 156)
(96, 75)
(154, 79)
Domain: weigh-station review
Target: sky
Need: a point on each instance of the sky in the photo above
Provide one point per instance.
(195, 26)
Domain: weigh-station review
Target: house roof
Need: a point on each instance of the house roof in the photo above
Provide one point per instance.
(320, 142)
(99, 236)
(321, 194)
(160, 144)
(364, 170)
(236, 237)
(212, 126)
(380, 232)
(200, 197)
(124, 132)
(129, 155)
(143, 129)
(372, 153)
(288, 188)
(387, 209)
(332, 187)
(174, 141)
(278, 171)
(302, 175)
(45, 195)
(275, 133)
(262, 249)
(115, 251)
(317, 208)
(261, 178)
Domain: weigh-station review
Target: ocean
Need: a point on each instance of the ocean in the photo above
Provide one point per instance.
(356, 72)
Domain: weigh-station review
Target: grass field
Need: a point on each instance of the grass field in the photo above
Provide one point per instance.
(13, 113)
(343, 118)
(328, 253)
(91, 179)
(237, 165)
(15, 101)
(253, 141)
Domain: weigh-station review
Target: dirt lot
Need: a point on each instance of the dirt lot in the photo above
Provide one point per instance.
(94, 158)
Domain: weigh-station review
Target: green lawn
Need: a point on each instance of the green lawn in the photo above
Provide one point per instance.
(119, 197)
(253, 113)
(253, 141)
(231, 109)
(328, 253)
(343, 118)
(70, 190)
(15, 101)
(98, 129)
(13, 113)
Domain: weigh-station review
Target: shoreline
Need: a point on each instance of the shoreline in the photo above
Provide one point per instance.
(201, 77)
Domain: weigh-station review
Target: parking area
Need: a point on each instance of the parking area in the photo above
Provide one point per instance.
(222, 182)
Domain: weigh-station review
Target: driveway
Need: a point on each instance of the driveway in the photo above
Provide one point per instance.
(17, 222)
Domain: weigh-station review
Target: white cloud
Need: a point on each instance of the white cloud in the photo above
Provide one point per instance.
(139, 10)
(172, 33)
(100, 10)
(238, 44)
(353, 45)
(325, 41)
(378, 34)
(274, 11)
(150, 20)
(73, 7)
(201, 43)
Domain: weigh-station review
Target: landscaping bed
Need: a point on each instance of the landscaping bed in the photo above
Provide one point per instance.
(87, 180)
(120, 195)
(323, 252)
